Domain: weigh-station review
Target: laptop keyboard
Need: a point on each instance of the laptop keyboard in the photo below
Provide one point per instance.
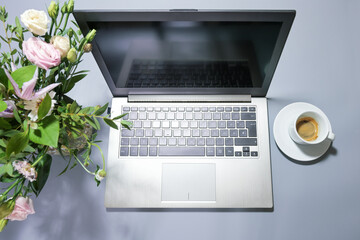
(190, 74)
(228, 131)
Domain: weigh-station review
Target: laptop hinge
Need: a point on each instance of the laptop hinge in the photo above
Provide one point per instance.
(189, 98)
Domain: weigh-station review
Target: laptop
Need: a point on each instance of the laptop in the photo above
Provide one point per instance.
(194, 84)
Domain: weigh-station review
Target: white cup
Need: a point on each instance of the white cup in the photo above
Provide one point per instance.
(324, 129)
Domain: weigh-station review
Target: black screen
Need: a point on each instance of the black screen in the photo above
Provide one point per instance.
(187, 54)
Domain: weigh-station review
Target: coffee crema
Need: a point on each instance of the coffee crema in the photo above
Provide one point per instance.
(307, 128)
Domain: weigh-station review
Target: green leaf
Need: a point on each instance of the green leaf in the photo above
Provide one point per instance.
(91, 122)
(87, 110)
(43, 170)
(101, 110)
(126, 124)
(17, 143)
(73, 107)
(97, 123)
(4, 80)
(110, 123)
(44, 107)
(47, 132)
(6, 169)
(16, 115)
(120, 116)
(72, 82)
(5, 124)
(18, 26)
(23, 74)
(3, 106)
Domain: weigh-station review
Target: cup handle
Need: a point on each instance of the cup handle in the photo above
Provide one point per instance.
(331, 136)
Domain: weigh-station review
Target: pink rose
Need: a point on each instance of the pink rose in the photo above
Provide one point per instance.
(42, 54)
(23, 207)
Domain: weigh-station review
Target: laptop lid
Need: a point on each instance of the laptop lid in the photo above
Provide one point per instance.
(244, 46)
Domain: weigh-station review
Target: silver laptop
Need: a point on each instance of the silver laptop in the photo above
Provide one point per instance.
(194, 85)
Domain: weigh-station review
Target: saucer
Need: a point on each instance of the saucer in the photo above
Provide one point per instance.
(294, 150)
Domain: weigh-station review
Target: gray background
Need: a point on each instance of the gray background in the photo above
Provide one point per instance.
(317, 201)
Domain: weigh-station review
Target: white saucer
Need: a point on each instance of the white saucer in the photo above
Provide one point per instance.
(286, 144)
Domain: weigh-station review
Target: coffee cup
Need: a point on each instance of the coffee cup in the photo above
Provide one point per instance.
(310, 127)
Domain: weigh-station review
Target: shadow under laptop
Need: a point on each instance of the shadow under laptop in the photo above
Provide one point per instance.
(190, 209)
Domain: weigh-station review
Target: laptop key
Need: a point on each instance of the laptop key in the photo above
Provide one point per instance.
(246, 149)
(152, 151)
(181, 141)
(139, 133)
(229, 142)
(124, 151)
(254, 154)
(133, 115)
(233, 133)
(224, 133)
(245, 142)
(134, 151)
(124, 141)
(127, 133)
(134, 141)
(229, 151)
(153, 141)
(182, 151)
(219, 151)
(143, 141)
(210, 151)
(245, 116)
(246, 154)
(242, 133)
(238, 154)
(201, 141)
(251, 126)
(210, 141)
(143, 151)
(240, 124)
(162, 141)
(172, 141)
(235, 116)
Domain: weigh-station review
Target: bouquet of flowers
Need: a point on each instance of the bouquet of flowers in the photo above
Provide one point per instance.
(37, 119)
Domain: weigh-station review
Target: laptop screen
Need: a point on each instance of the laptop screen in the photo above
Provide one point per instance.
(181, 55)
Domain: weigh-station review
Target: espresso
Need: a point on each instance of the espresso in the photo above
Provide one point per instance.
(307, 128)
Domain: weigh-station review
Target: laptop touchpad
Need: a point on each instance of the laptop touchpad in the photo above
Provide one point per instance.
(188, 182)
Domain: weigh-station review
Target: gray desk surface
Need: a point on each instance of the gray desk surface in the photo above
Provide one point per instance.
(318, 201)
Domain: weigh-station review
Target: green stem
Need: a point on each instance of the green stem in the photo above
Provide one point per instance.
(77, 159)
(57, 25)
(66, 21)
(12, 186)
(8, 42)
(52, 25)
(39, 159)
(102, 155)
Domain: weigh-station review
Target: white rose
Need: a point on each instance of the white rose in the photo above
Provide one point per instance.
(35, 21)
(62, 44)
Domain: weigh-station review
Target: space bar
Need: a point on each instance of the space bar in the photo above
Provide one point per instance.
(181, 151)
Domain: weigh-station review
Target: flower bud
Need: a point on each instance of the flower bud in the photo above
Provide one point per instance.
(6, 208)
(88, 47)
(71, 56)
(100, 174)
(2, 198)
(53, 10)
(3, 223)
(2, 88)
(70, 32)
(64, 8)
(90, 36)
(70, 6)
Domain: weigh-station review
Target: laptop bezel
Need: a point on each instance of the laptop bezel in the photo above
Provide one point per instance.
(286, 17)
